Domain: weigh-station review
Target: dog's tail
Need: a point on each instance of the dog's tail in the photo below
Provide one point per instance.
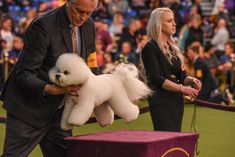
(135, 88)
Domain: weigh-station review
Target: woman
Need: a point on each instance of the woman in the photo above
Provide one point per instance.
(163, 64)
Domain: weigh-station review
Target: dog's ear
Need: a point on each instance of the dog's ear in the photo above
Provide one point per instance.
(52, 74)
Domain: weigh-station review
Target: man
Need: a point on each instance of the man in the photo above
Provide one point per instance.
(33, 104)
(202, 72)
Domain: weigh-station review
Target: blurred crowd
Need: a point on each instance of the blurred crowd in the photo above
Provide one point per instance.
(121, 34)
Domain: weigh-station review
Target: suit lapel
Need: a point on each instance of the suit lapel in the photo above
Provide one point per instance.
(65, 29)
(67, 39)
(83, 43)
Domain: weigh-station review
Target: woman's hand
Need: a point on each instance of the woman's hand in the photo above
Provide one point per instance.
(189, 91)
(197, 84)
(193, 82)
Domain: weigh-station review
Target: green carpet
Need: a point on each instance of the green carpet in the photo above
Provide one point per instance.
(216, 129)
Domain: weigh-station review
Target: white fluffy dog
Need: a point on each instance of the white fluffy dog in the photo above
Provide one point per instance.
(104, 94)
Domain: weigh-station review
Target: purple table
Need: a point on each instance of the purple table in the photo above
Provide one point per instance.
(133, 144)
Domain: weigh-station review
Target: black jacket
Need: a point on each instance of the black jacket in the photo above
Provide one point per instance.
(209, 84)
(157, 67)
(46, 38)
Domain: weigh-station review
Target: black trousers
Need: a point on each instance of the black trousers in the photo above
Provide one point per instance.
(21, 138)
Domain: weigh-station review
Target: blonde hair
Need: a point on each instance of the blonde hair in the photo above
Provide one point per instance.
(154, 29)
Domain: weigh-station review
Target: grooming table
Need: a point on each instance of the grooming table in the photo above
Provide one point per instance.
(131, 143)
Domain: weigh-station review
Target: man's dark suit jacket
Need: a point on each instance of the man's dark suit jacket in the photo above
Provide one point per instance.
(46, 38)
(202, 72)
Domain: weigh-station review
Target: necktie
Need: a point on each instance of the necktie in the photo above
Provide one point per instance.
(74, 38)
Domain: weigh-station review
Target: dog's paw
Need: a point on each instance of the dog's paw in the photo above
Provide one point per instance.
(66, 127)
(105, 123)
(132, 115)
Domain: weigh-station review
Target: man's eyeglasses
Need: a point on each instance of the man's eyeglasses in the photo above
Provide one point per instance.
(77, 11)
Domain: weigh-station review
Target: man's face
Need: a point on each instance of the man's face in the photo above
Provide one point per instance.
(228, 49)
(80, 11)
(190, 54)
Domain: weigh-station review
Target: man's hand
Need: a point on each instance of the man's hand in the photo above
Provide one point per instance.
(56, 90)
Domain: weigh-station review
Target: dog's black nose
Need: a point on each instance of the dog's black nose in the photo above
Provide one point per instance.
(57, 76)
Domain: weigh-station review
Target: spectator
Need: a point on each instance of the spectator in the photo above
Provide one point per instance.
(215, 10)
(126, 55)
(99, 53)
(229, 64)
(222, 13)
(42, 7)
(202, 72)
(3, 45)
(118, 6)
(23, 25)
(129, 34)
(103, 34)
(197, 4)
(117, 24)
(102, 10)
(192, 32)
(31, 14)
(7, 31)
(220, 37)
(109, 64)
(17, 47)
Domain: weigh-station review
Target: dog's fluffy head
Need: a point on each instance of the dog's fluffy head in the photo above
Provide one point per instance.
(70, 69)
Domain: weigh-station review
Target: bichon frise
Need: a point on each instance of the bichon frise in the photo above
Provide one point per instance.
(104, 94)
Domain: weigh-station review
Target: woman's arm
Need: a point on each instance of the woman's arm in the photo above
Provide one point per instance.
(151, 65)
(186, 90)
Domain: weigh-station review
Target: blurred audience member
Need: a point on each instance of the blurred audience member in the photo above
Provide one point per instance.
(102, 10)
(192, 33)
(197, 4)
(222, 13)
(228, 66)
(103, 34)
(129, 34)
(126, 55)
(220, 37)
(117, 24)
(7, 31)
(118, 6)
(23, 25)
(99, 53)
(109, 64)
(42, 7)
(202, 72)
(193, 10)
(31, 14)
(17, 47)
(215, 10)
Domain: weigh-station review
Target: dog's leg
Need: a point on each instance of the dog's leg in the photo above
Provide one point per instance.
(104, 115)
(124, 108)
(82, 110)
(69, 105)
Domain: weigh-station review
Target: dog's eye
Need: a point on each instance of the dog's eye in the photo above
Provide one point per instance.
(66, 72)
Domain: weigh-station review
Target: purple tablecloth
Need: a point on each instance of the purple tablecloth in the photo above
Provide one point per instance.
(133, 144)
